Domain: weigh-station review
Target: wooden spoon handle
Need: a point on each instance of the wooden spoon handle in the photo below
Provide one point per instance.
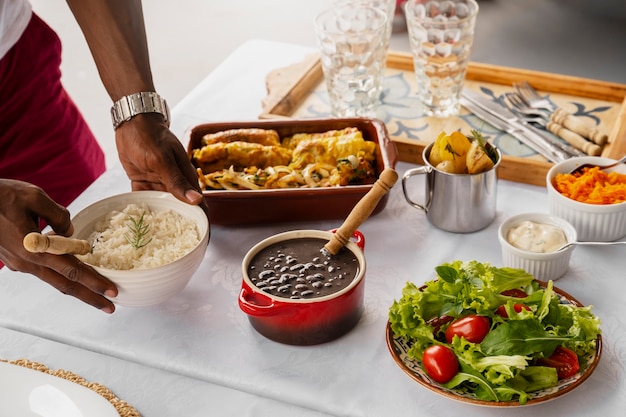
(362, 210)
(55, 244)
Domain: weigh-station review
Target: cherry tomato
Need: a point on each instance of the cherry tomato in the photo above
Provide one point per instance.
(564, 360)
(501, 311)
(473, 328)
(440, 363)
(515, 292)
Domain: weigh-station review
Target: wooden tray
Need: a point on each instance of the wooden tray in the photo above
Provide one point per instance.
(298, 91)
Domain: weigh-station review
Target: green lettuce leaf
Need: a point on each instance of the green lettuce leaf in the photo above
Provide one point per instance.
(534, 378)
(521, 337)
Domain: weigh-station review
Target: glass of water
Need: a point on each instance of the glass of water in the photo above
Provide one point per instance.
(387, 6)
(441, 35)
(351, 42)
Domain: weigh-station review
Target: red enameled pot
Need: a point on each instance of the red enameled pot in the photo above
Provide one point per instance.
(303, 321)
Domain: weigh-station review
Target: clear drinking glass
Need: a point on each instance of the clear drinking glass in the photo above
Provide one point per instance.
(387, 6)
(441, 35)
(351, 45)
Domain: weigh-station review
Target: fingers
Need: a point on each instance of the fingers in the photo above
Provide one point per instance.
(58, 217)
(71, 277)
(184, 181)
(26, 203)
(155, 159)
(177, 173)
(189, 196)
(23, 205)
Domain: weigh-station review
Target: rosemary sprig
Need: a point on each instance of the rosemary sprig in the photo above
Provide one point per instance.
(137, 232)
(484, 145)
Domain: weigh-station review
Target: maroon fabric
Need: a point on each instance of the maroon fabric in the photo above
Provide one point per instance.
(43, 137)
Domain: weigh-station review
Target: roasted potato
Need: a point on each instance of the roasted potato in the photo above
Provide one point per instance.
(458, 154)
(477, 159)
(449, 153)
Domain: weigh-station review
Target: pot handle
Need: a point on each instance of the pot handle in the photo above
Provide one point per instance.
(359, 238)
(248, 306)
(415, 171)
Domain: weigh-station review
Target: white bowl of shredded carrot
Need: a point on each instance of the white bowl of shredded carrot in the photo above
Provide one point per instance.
(593, 201)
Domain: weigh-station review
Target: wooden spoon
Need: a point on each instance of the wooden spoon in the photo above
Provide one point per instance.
(361, 210)
(55, 244)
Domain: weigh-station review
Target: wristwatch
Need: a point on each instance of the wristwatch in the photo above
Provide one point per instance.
(129, 106)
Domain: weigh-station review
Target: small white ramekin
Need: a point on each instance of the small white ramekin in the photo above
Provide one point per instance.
(543, 266)
(593, 222)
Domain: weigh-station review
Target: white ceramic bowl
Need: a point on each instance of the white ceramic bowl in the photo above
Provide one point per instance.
(593, 222)
(144, 287)
(543, 266)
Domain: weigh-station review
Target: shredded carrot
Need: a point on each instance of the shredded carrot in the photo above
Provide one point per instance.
(592, 186)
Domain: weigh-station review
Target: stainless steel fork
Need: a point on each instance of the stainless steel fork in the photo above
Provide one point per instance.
(574, 123)
(532, 97)
(539, 117)
(519, 105)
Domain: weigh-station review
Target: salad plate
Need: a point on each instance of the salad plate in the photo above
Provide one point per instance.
(399, 346)
(29, 392)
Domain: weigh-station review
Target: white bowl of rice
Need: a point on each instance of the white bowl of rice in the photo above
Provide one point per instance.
(147, 242)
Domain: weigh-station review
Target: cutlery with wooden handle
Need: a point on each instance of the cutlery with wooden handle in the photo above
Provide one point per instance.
(55, 244)
(578, 125)
(574, 139)
(534, 100)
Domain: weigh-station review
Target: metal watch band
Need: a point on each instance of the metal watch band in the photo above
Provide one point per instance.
(129, 106)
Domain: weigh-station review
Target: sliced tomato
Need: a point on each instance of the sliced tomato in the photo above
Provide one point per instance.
(440, 363)
(564, 360)
(501, 311)
(473, 328)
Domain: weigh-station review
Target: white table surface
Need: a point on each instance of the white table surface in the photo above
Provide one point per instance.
(197, 352)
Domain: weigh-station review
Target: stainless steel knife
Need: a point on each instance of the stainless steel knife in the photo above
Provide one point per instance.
(500, 124)
(505, 120)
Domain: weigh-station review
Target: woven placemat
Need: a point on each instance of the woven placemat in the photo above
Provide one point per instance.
(123, 408)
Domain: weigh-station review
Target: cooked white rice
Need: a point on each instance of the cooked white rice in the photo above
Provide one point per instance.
(170, 236)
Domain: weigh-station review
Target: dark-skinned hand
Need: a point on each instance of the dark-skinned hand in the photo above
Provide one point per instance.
(22, 206)
(154, 159)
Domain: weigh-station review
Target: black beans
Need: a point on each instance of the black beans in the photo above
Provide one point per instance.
(298, 269)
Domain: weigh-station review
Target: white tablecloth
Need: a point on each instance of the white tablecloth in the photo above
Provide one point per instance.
(202, 340)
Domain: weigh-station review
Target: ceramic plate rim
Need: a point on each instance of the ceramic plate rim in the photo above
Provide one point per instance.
(31, 379)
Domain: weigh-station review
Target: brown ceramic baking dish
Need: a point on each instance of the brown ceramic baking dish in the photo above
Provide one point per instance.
(237, 207)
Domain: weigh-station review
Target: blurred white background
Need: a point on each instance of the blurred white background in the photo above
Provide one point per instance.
(189, 38)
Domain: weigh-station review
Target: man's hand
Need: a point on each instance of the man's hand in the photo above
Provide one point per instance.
(22, 206)
(154, 159)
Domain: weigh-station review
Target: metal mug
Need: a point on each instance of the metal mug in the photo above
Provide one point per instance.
(459, 203)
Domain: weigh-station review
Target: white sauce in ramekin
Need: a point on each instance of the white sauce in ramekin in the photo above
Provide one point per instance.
(536, 237)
